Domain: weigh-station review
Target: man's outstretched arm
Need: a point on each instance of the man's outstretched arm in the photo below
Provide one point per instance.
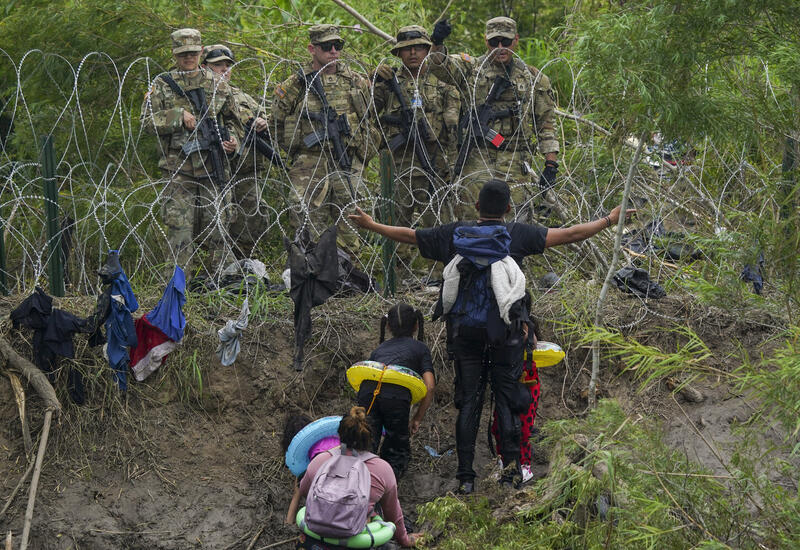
(393, 232)
(565, 235)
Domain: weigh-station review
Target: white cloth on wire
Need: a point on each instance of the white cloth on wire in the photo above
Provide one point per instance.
(229, 345)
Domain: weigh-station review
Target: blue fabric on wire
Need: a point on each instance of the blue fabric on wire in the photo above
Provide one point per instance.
(168, 315)
(120, 329)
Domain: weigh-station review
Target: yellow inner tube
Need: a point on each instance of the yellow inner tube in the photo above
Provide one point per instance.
(387, 374)
(546, 354)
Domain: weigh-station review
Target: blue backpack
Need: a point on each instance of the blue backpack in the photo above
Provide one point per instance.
(480, 247)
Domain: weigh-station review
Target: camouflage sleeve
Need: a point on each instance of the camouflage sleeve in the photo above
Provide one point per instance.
(158, 116)
(284, 103)
(452, 69)
(380, 97)
(367, 146)
(451, 108)
(231, 116)
(544, 114)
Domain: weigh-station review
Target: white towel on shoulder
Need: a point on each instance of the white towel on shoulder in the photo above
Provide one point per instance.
(508, 283)
(506, 278)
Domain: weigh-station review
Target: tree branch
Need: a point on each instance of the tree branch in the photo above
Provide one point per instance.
(372, 28)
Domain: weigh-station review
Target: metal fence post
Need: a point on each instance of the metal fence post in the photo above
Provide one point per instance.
(388, 217)
(3, 274)
(55, 263)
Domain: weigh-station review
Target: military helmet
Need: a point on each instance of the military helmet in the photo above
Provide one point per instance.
(186, 40)
(412, 35)
(501, 26)
(217, 52)
(318, 34)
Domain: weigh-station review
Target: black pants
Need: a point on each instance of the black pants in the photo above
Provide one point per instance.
(391, 415)
(476, 364)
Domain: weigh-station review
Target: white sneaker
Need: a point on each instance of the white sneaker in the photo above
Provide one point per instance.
(527, 474)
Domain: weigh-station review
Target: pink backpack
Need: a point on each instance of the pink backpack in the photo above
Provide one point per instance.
(338, 501)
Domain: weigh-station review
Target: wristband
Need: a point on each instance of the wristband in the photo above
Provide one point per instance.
(608, 221)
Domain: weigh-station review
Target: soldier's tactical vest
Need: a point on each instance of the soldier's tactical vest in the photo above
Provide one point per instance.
(216, 94)
(517, 127)
(429, 98)
(343, 95)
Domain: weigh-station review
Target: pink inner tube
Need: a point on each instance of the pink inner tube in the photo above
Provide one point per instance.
(324, 444)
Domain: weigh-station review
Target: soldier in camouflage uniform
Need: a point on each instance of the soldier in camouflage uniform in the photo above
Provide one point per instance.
(436, 106)
(194, 209)
(530, 101)
(250, 220)
(322, 191)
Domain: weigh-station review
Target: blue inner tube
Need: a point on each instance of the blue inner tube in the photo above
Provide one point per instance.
(376, 533)
(297, 453)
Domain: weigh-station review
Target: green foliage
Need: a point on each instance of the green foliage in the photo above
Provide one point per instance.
(656, 498)
(650, 363)
(776, 381)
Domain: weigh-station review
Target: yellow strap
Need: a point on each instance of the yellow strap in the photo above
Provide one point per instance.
(377, 390)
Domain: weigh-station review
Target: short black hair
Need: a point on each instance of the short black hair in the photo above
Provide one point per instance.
(292, 424)
(494, 198)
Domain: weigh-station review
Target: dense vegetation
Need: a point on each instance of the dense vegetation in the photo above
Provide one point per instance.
(719, 76)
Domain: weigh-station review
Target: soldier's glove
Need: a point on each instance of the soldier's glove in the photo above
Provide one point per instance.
(382, 73)
(548, 178)
(441, 30)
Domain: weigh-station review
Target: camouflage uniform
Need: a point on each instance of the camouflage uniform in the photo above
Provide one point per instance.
(249, 220)
(530, 96)
(437, 105)
(320, 194)
(194, 209)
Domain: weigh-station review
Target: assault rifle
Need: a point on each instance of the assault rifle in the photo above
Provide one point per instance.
(476, 123)
(405, 121)
(334, 126)
(261, 142)
(210, 133)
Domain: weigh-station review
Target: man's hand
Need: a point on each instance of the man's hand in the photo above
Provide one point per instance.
(441, 30)
(188, 120)
(613, 216)
(260, 124)
(230, 145)
(548, 177)
(361, 219)
(382, 73)
(414, 426)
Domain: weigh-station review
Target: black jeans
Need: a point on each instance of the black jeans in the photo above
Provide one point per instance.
(392, 415)
(476, 363)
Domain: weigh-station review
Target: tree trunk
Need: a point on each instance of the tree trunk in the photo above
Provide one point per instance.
(612, 269)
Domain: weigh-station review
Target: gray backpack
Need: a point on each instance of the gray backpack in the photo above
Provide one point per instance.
(338, 501)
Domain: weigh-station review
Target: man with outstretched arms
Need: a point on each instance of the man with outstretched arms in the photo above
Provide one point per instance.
(507, 104)
(320, 115)
(193, 113)
(486, 307)
(250, 220)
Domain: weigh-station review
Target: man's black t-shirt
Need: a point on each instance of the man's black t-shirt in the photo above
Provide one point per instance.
(436, 243)
(404, 351)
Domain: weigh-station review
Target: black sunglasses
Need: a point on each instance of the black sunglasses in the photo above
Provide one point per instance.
(410, 35)
(330, 44)
(497, 40)
(219, 53)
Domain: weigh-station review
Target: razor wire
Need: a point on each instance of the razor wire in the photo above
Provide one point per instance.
(111, 194)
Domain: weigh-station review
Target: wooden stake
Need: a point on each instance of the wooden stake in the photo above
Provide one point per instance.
(26, 529)
(14, 492)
